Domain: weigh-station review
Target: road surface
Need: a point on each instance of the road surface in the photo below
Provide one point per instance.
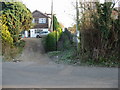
(37, 71)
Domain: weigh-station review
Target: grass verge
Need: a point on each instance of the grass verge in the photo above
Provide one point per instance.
(70, 57)
(13, 52)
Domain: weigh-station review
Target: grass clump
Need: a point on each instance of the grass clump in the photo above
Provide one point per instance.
(12, 52)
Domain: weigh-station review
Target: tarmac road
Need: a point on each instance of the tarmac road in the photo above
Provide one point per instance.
(37, 71)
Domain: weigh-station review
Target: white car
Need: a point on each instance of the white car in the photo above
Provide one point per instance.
(42, 34)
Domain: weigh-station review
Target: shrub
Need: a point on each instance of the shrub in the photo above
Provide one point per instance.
(51, 41)
(7, 41)
(66, 41)
(6, 36)
(99, 34)
(53, 37)
(17, 17)
(59, 30)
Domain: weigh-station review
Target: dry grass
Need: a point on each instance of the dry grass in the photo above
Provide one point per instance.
(11, 52)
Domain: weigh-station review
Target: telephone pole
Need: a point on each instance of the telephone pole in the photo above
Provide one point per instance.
(51, 15)
(77, 23)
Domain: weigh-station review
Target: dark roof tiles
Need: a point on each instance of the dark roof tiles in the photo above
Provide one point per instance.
(44, 14)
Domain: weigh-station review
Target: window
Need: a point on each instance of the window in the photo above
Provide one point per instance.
(38, 31)
(42, 20)
(36, 20)
(33, 21)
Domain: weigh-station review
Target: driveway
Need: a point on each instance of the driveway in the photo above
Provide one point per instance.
(37, 71)
(34, 52)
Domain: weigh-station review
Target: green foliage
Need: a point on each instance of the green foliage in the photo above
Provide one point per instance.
(15, 18)
(6, 36)
(69, 57)
(54, 53)
(107, 26)
(56, 24)
(66, 41)
(51, 41)
(100, 35)
(19, 18)
(59, 30)
(20, 43)
(64, 57)
(103, 18)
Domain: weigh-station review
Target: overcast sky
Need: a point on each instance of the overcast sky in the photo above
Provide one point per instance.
(63, 9)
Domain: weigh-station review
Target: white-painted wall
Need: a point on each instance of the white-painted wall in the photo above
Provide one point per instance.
(33, 34)
(26, 34)
(49, 22)
(45, 29)
(32, 31)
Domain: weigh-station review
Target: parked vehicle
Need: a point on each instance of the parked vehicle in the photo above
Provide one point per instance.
(42, 34)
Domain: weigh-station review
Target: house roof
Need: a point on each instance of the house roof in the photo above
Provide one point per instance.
(44, 14)
(118, 8)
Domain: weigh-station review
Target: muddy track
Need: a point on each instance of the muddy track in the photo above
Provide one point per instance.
(34, 52)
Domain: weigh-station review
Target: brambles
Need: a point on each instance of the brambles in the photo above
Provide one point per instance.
(100, 35)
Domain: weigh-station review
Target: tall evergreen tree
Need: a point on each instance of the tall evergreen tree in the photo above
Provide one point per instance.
(56, 24)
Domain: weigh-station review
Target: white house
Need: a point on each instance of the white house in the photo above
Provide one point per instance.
(42, 23)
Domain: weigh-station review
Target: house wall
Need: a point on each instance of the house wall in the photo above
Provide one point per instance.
(49, 22)
(26, 34)
(37, 15)
(33, 34)
(32, 31)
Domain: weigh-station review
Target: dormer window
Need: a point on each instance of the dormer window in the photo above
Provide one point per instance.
(42, 20)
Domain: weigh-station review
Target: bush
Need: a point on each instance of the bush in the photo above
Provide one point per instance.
(58, 40)
(99, 35)
(60, 31)
(9, 49)
(51, 41)
(6, 36)
(7, 40)
(17, 17)
(66, 41)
